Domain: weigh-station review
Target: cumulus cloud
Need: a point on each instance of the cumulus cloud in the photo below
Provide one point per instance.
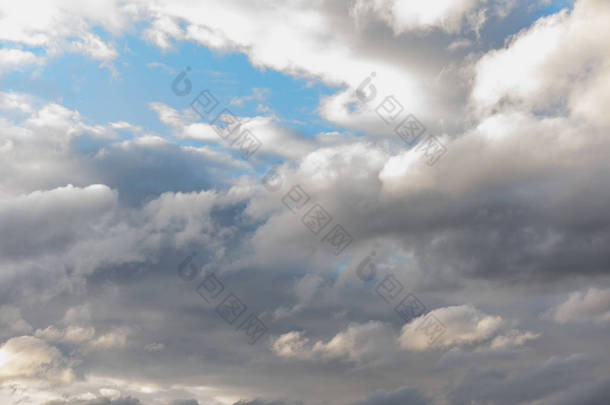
(76, 328)
(403, 16)
(460, 326)
(11, 59)
(51, 215)
(105, 211)
(538, 67)
(161, 30)
(72, 334)
(275, 138)
(60, 26)
(30, 357)
(356, 343)
(112, 339)
(592, 305)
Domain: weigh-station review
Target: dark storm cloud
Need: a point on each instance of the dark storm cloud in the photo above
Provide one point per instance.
(502, 386)
(589, 393)
(519, 200)
(143, 172)
(102, 401)
(505, 219)
(265, 402)
(402, 396)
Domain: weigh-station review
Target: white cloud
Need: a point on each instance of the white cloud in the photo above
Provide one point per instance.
(162, 29)
(559, 62)
(16, 101)
(125, 125)
(114, 339)
(402, 16)
(13, 59)
(110, 393)
(76, 327)
(513, 167)
(461, 326)
(29, 357)
(71, 334)
(258, 94)
(274, 138)
(301, 40)
(154, 347)
(358, 342)
(162, 66)
(513, 338)
(518, 71)
(64, 25)
(92, 45)
(592, 305)
(70, 227)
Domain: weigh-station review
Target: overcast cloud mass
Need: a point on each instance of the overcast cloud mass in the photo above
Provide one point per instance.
(327, 202)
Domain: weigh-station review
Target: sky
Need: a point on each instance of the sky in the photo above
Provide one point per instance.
(347, 202)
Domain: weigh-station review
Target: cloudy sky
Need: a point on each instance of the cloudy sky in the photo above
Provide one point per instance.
(323, 202)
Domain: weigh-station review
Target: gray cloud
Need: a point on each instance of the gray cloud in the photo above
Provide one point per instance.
(402, 396)
(101, 401)
(265, 402)
(500, 386)
(509, 225)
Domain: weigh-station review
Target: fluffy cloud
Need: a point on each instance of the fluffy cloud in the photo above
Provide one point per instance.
(555, 64)
(72, 334)
(113, 339)
(15, 58)
(75, 328)
(420, 15)
(460, 326)
(53, 217)
(275, 138)
(30, 357)
(105, 212)
(64, 25)
(521, 205)
(592, 305)
(357, 343)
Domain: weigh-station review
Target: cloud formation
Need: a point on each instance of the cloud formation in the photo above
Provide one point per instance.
(592, 305)
(98, 207)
